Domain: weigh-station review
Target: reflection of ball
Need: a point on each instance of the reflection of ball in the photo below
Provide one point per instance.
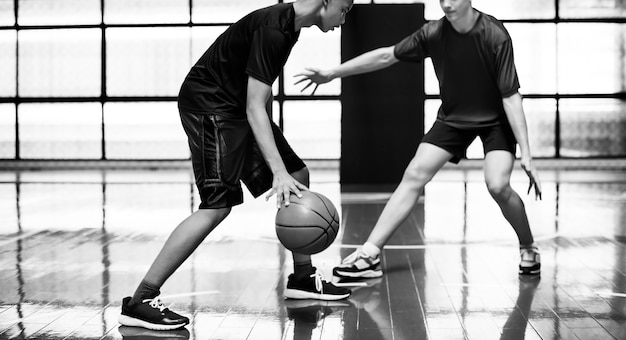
(309, 224)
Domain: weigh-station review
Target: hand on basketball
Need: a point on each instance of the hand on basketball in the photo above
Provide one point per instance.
(283, 185)
(313, 76)
(533, 177)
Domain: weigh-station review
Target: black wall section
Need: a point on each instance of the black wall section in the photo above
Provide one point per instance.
(383, 111)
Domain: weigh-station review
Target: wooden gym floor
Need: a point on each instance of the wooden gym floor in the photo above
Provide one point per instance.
(74, 243)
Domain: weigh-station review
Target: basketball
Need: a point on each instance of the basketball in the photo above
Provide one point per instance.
(309, 224)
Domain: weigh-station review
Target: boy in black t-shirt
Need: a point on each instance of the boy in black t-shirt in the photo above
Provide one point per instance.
(472, 55)
(223, 108)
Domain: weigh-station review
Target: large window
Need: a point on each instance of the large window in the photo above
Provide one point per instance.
(98, 79)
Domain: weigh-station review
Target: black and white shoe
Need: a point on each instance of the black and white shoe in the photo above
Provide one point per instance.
(530, 263)
(314, 287)
(358, 265)
(150, 314)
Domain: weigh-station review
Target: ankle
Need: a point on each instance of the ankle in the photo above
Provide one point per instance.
(370, 250)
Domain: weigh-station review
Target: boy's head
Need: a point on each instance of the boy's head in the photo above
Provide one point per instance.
(333, 14)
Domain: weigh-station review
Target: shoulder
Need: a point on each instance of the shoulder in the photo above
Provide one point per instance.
(493, 30)
(280, 17)
(433, 28)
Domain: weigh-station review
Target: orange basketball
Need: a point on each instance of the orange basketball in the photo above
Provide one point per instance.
(309, 224)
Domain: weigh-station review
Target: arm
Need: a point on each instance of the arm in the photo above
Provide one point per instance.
(367, 62)
(515, 114)
(283, 184)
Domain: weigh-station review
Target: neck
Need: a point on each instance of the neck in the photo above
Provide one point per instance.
(306, 13)
(464, 23)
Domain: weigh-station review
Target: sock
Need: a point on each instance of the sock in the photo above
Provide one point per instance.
(370, 250)
(527, 246)
(303, 270)
(144, 291)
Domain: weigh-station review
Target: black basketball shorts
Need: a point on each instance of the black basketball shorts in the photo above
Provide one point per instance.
(456, 140)
(224, 153)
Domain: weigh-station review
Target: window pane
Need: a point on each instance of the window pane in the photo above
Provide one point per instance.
(59, 12)
(45, 206)
(515, 9)
(501, 9)
(7, 15)
(226, 11)
(431, 83)
(593, 127)
(591, 58)
(534, 46)
(314, 49)
(7, 131)
(313, 128)
(59, 63)
(201, 40)
(541, 121)
(147, 61)
(591, 9)
(60, 130)
(8, 44)
(144, 131)
(146, 11)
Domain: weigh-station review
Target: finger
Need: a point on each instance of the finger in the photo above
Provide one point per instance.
(286, 198)
(315, 89)
(296, 191)
(307, 86)
(270, 194)
(303, 78)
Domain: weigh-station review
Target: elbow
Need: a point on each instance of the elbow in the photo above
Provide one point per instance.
(387, 56)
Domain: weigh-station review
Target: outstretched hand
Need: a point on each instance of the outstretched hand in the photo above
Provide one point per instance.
(533, 178)
(283, 185)
(312, 76)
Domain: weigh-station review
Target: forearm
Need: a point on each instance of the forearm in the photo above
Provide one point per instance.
(264, 136)
(367, 62)
(515, 114)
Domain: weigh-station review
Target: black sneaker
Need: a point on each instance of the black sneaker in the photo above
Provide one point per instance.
(314, 287)
(530, 262)
(358, 266)
(150, 314)
(140, 333)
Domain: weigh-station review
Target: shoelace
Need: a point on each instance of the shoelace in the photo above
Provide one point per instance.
(319, 283)
(156, 303)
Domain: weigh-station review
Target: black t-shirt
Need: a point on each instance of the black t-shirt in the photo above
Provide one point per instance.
(258, 45)
(475, 69)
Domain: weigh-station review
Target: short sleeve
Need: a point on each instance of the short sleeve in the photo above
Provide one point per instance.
(508, 82)
(412, 48)
(269, 51)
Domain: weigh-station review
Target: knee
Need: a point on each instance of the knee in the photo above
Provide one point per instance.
(499, 189)
(415, 177)
(214, 216)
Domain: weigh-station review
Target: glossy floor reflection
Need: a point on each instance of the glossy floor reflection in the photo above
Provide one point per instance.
(73, 243)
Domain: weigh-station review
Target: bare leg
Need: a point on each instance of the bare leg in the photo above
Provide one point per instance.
(425, 164)
(301, 260)
(182, 242)
(498, 168)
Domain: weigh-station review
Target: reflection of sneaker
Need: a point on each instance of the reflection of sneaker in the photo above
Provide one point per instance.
(367, 296)
(530, 263)
(358, 265)
(309, 312)
(314, 287)
(150, 314)
(139, 333)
